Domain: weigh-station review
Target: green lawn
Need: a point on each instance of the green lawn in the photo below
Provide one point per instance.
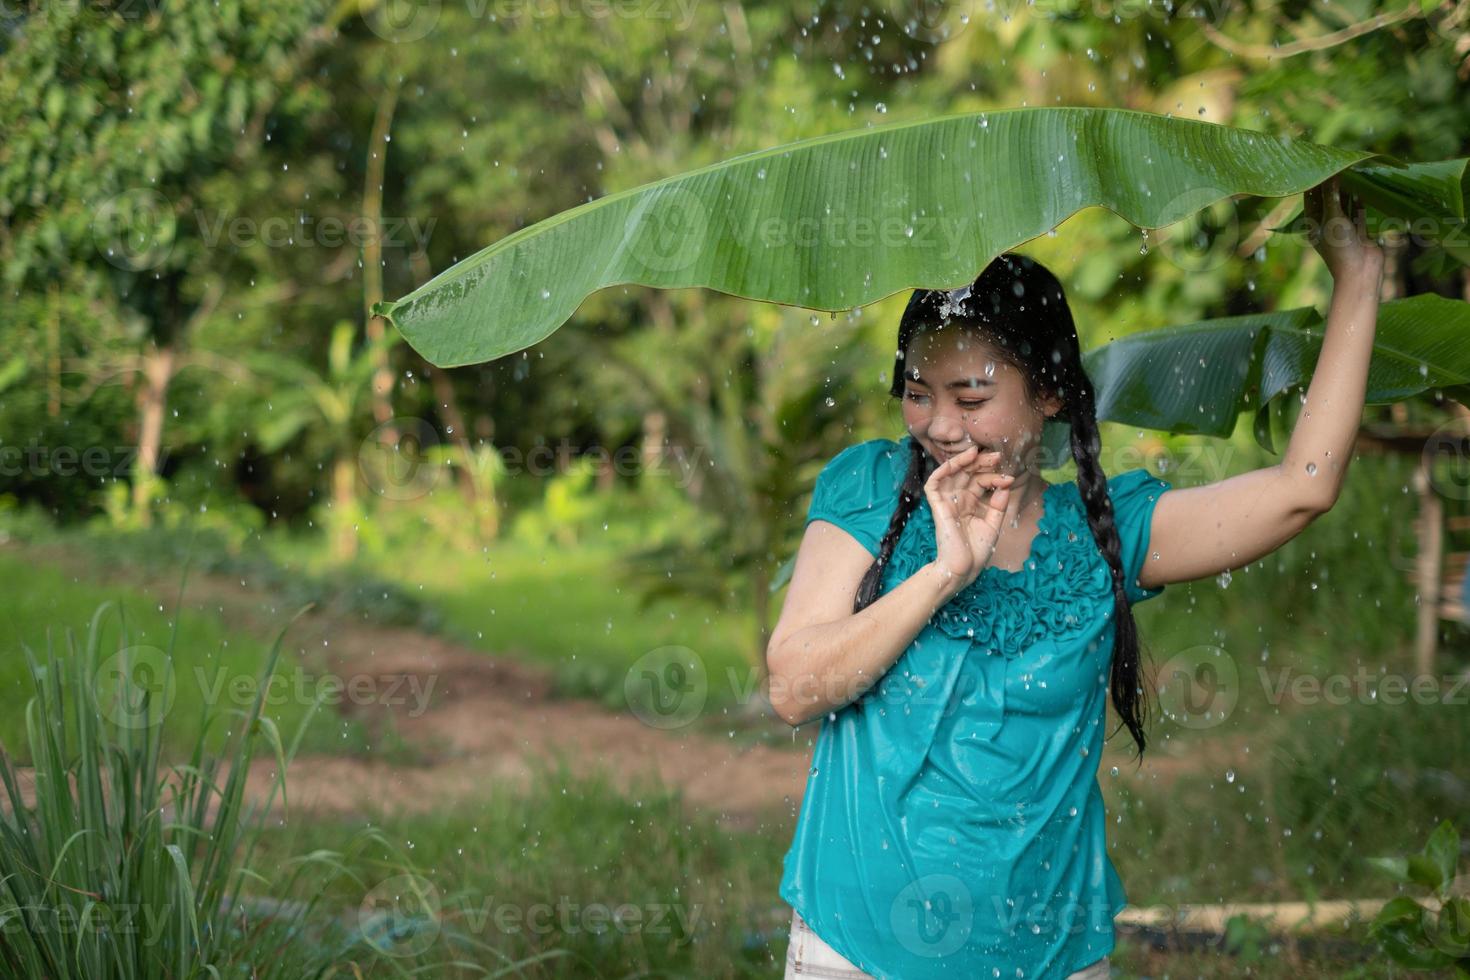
(566, 611)
(516, 876)
(212, 666)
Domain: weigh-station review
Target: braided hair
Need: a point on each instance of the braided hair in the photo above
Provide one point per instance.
(1018, 308)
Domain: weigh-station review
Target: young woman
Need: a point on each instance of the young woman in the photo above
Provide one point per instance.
(959, 623)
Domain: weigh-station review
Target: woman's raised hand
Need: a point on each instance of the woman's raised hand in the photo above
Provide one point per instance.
(1338, 230)
(968, 502)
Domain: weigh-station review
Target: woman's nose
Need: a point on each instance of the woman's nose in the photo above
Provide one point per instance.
(946, 428)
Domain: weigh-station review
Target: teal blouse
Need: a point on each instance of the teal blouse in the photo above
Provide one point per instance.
(953, 823)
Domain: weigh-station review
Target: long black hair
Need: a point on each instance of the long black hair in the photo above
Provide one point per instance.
(1017, 307)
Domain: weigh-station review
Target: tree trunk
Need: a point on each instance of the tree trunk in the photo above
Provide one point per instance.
(1429, 569)
(655, 431)
(454, 423)
(473, 487)
(344, 500)
(53, 355)
(158, 371)
(372, 258)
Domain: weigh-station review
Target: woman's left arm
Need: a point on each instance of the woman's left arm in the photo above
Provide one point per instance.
(1205, 530)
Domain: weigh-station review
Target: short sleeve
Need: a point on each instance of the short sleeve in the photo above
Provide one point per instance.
(1134, 495)
(857, 491)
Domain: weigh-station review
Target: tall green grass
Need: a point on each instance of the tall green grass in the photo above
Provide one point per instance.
(118, 869)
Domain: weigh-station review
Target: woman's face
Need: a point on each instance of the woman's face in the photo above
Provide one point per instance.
(958, 392)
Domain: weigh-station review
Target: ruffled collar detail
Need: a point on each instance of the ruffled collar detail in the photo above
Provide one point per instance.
(1004, 612)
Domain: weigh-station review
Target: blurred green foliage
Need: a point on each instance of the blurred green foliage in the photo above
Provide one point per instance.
(198, 203)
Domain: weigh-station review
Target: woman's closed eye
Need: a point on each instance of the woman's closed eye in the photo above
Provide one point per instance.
(920, 398)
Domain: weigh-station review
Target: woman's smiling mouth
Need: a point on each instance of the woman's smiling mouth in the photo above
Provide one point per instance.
(945, 455)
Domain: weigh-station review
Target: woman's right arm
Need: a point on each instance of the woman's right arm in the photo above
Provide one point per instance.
(822, 655)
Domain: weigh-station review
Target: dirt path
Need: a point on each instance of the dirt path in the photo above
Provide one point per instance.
(488, 719)
(482, 721)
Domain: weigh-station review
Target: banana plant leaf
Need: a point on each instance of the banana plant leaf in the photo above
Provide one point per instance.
(1199, 377)
(843, 220)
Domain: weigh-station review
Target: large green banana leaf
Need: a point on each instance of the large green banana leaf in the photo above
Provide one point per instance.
(844, 220)
(1217, 369)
